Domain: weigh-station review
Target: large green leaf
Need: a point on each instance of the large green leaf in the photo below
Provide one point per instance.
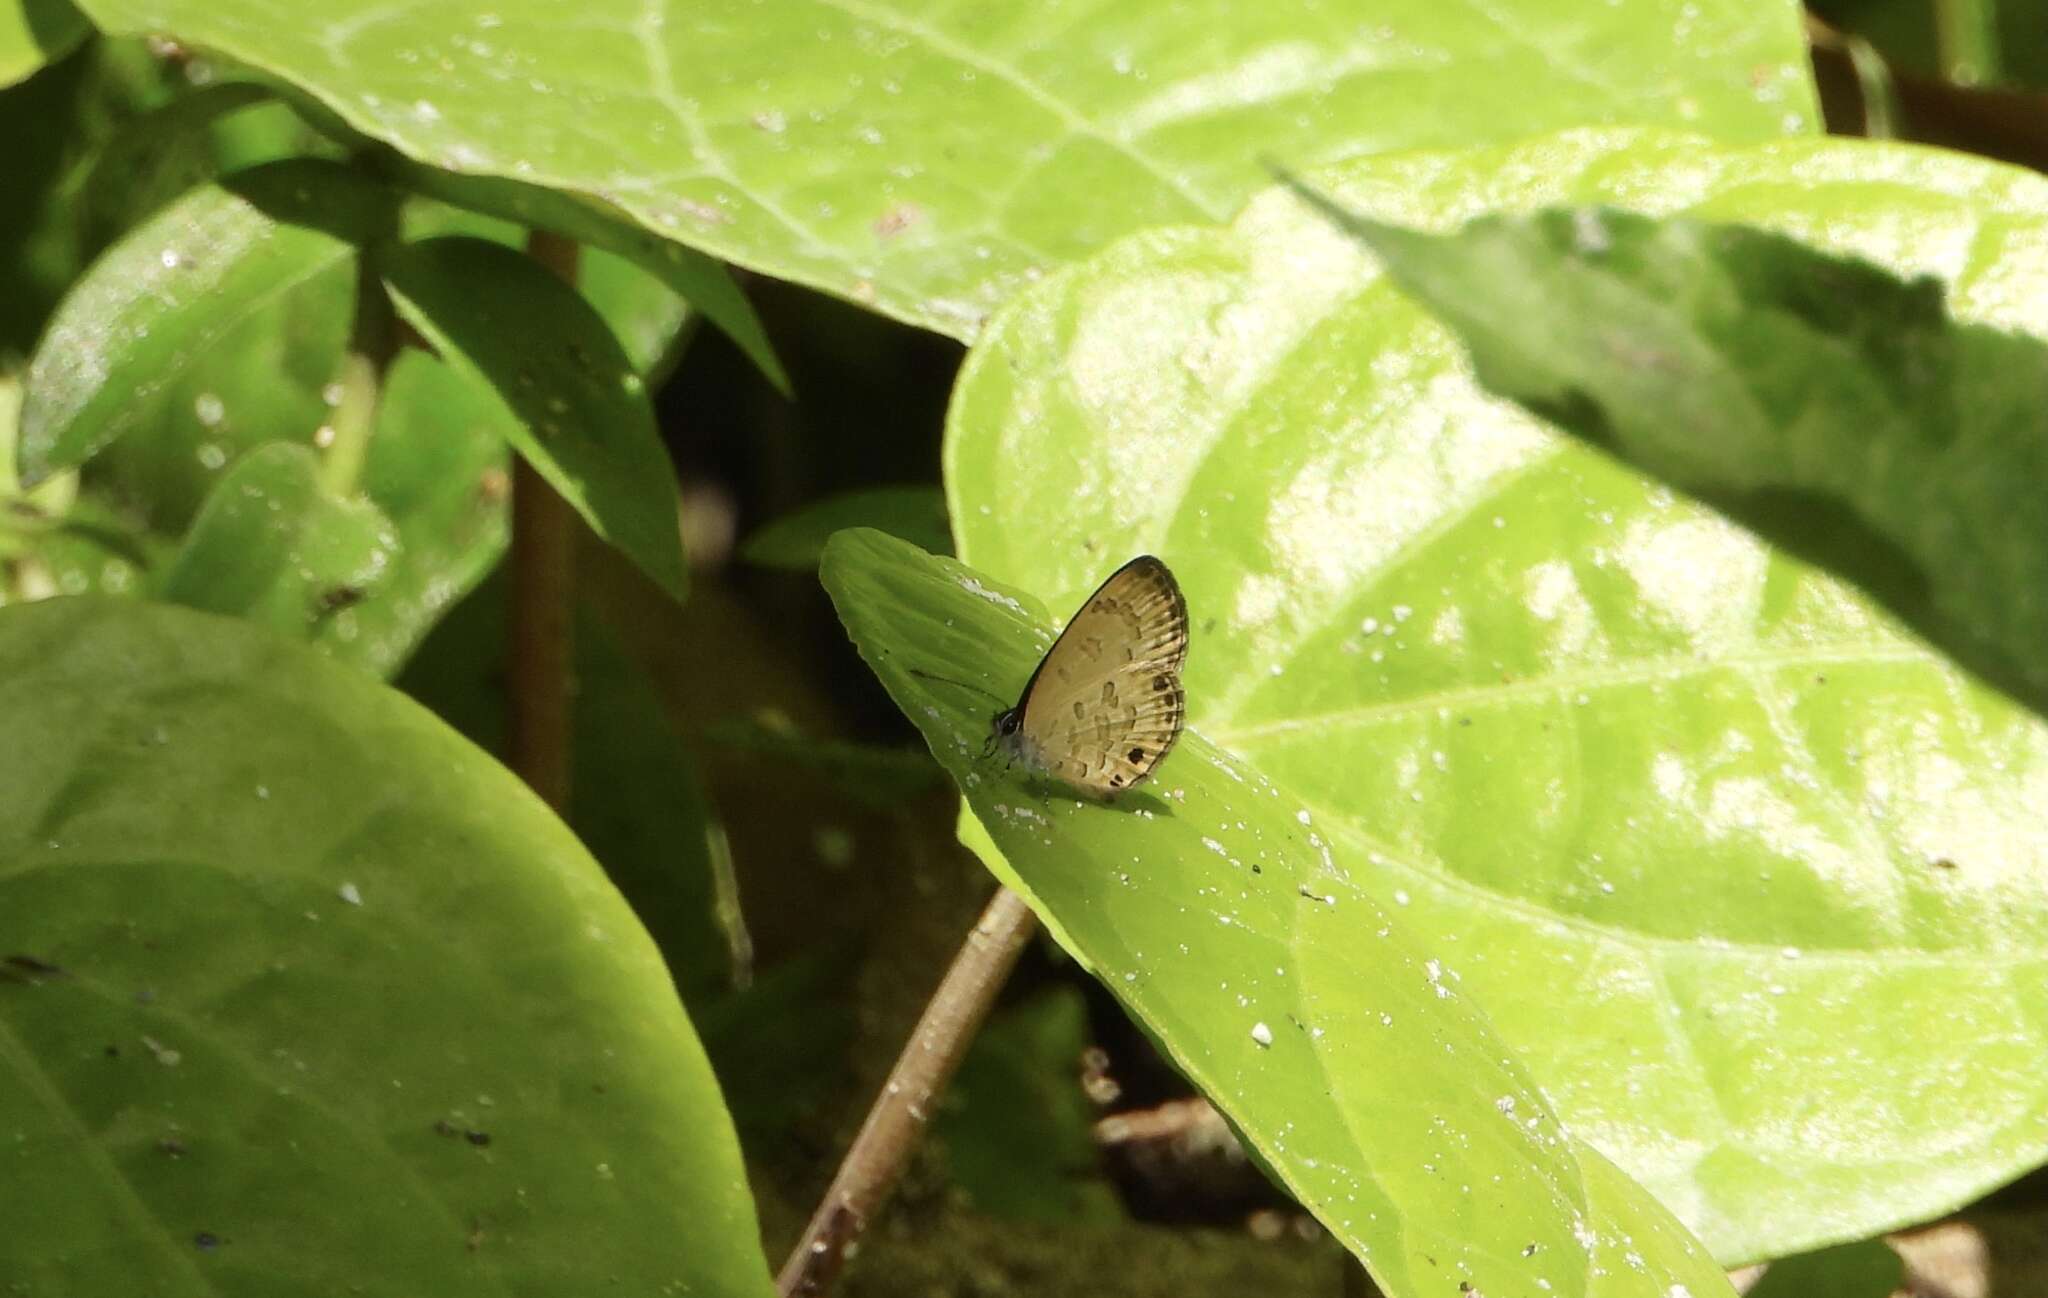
(1752, 882)
(569, 398)
(300, 992)
(1830, 406)
(928, 159)
(1212, 905)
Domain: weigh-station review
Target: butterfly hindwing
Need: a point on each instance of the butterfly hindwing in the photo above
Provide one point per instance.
(1105, 706)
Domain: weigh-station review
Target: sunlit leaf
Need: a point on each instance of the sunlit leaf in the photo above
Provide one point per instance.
(1214, 906)
(928, 160)
(1829, 405)
(1748, 878)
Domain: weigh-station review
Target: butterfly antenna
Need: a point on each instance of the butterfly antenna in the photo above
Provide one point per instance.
(947, 680)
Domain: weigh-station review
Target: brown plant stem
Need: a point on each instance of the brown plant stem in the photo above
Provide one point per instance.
(878, 1155)
(1992, 122)
(540, 641)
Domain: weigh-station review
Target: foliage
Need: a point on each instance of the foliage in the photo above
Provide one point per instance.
(1605, 843)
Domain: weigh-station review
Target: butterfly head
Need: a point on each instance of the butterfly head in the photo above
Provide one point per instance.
(1006, 734)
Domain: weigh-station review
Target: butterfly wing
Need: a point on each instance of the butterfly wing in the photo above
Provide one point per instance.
(1105, 706)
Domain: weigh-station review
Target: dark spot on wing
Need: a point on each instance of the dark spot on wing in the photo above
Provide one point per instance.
(1137, 755)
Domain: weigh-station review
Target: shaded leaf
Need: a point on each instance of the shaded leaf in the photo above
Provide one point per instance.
(1228, 925)
(573, 405)
(639, 805)
(372, 1019)
(37, 32)
(796, 540)
(873, 775)
(700, 280)
(438, 468)
(636, 800)
(275, 547)
(1015, 1126)
(1866, 1269)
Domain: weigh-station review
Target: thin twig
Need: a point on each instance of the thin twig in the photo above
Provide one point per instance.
(894, 1124)
(540, 636)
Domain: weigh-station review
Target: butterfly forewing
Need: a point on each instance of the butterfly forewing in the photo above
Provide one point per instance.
(1106, 704)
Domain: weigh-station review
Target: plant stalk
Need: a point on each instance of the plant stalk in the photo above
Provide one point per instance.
(540, 648)
(878, 1155)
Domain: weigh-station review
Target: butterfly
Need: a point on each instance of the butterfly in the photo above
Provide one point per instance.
(1105, 705)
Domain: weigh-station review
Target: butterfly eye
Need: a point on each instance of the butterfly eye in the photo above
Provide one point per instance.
(1008, 722)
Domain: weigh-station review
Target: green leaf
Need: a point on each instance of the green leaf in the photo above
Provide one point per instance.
(170, 150)
(160, 302)
(275, 547)
(928, 159)
(37, 32)
(52, 542)
(872, 775)
(700, 280)
(1016, 1129)
(50, 126)
(301, 992)
(1236, 932)
(653, 323)
(1866, 1269)
(437, 467)
(571, 402)
(1828, 405)
(1750, 880)
(638, 804)
(795, 541)
(220, 372)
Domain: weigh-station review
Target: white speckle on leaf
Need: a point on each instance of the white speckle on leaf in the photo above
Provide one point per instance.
(973, 587)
